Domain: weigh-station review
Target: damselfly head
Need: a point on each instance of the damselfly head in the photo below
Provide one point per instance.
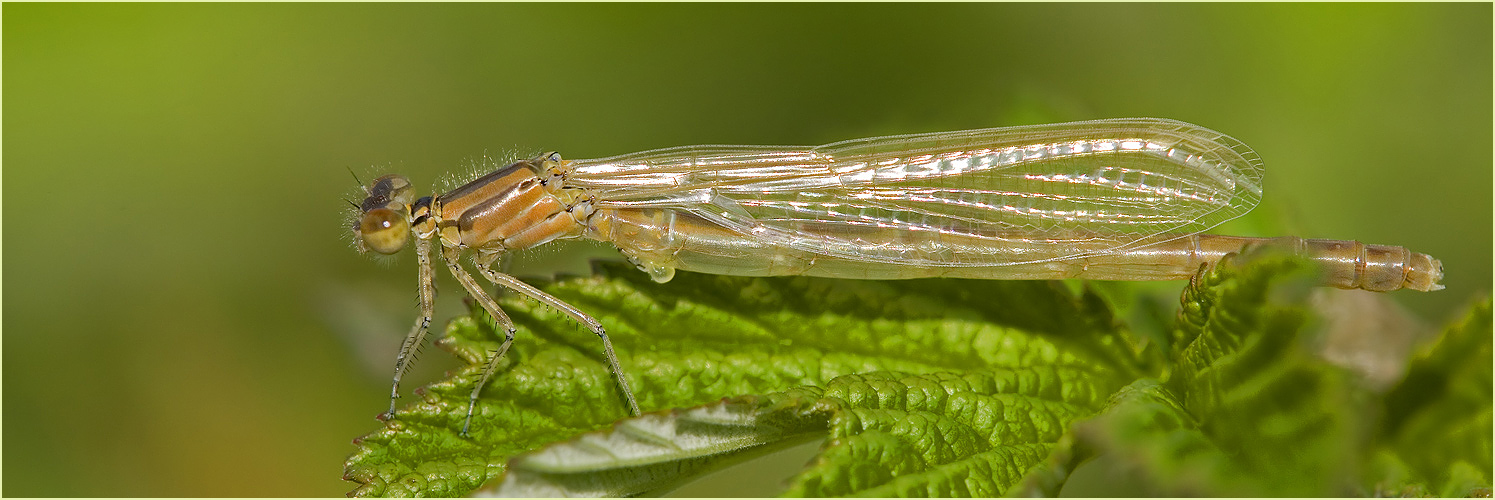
(384, 224)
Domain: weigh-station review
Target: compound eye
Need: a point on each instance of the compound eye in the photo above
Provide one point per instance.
(383, 230)
(393, 188)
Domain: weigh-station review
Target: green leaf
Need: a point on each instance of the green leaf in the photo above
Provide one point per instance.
(940, 388)
(943, 434)
(1438, 422)
(1246, 409)
(1159, 447)
(889, 434)
(658, 451)
(1261, 395)
(908, 374)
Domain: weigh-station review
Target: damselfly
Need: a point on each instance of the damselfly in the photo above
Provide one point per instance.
(1122, 199)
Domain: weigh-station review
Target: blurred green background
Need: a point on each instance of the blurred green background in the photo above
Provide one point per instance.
(184, 315)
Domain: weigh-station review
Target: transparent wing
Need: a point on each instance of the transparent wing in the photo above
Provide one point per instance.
(1111, 184)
